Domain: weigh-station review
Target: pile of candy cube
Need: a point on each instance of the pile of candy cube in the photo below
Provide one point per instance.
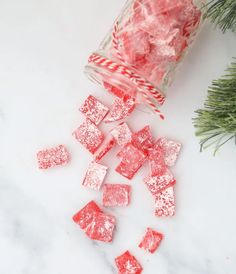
(155, 34)
(135, 149)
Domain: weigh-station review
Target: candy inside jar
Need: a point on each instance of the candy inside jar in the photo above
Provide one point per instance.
(140, 54)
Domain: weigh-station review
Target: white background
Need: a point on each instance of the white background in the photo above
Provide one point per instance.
(44, 46)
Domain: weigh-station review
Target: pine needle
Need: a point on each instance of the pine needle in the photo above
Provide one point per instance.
(222, 13)
(216, 123)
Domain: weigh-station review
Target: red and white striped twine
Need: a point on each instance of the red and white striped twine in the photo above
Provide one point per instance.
(148, 91)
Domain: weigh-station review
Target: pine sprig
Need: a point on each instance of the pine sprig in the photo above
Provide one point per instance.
(222, 13)
(216, 123)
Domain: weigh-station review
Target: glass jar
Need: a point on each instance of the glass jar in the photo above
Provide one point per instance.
(140, 54)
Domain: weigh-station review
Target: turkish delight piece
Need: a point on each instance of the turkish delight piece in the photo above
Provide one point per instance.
(128, 264)
(170, 150)
(157, 184)
(151, 240)
(85, 216)
(116, 195)
(120, 109)
(89, 136)
(94, 110)
(52, 157)
(113, 90)
(101, 227)
(143, 139)
(134, 52)
(157, 161)
(95, 176)
(104, 149)
(132, 160)
(165, 203)
(122, 134)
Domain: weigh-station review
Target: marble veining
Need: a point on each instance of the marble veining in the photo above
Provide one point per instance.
(44, 46)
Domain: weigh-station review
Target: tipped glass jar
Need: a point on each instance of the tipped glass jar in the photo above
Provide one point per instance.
(140, 54)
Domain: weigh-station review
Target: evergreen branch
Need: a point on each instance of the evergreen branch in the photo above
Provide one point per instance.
(216, 123)
(222, 13)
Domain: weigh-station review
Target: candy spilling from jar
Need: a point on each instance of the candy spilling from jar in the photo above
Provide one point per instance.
(135, 149)
(140, 55)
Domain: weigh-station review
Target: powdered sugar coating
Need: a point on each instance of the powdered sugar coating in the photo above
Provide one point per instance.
(96, 224)
(128, 264)
(143, 139)
(94, 110)
(52, 157)
(101, 227)
(151, 240)
(132, 160)
(120, 109)
(122, 134)
(157, 184)
(104, 149)
(116, 195)
(84, 217)
(165, 203)
(113, 90)
(171, 150)
(95, 176)
(89, 136)
(157, 161)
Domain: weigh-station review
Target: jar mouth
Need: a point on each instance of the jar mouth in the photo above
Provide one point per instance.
(119, 84)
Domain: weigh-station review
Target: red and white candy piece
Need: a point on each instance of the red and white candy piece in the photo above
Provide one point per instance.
(132, 160)
(151, 240)
(94, 110)
(96, 224)
(52, 157)
(104, 149)
(84, 217)
(157, 161)
(101, 227)
(165, 203)
(143, 139)
(128, 264)
(122, 134)
(157, 184)
(113, 90)
(95, 176)
(171, 150)
(116, 195)
(120, 109)
(89, 136)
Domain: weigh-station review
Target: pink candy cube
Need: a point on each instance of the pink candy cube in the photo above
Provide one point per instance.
(52, 157)
(89, 136)
(101, 227)
(128, 264)
(165, 203)
(120, 109)
(157, 161)
(113, 90)
(122, 134)
(96, 224)
(157, 184)
(84, 217)
(116, 195)
(170, 150)
(132, 160)
(94, 110)
(104, 149)
(143, 139)
(95, 176)
(151, 240)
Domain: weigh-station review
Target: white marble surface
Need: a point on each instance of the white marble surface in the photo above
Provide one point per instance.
(44, 46)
